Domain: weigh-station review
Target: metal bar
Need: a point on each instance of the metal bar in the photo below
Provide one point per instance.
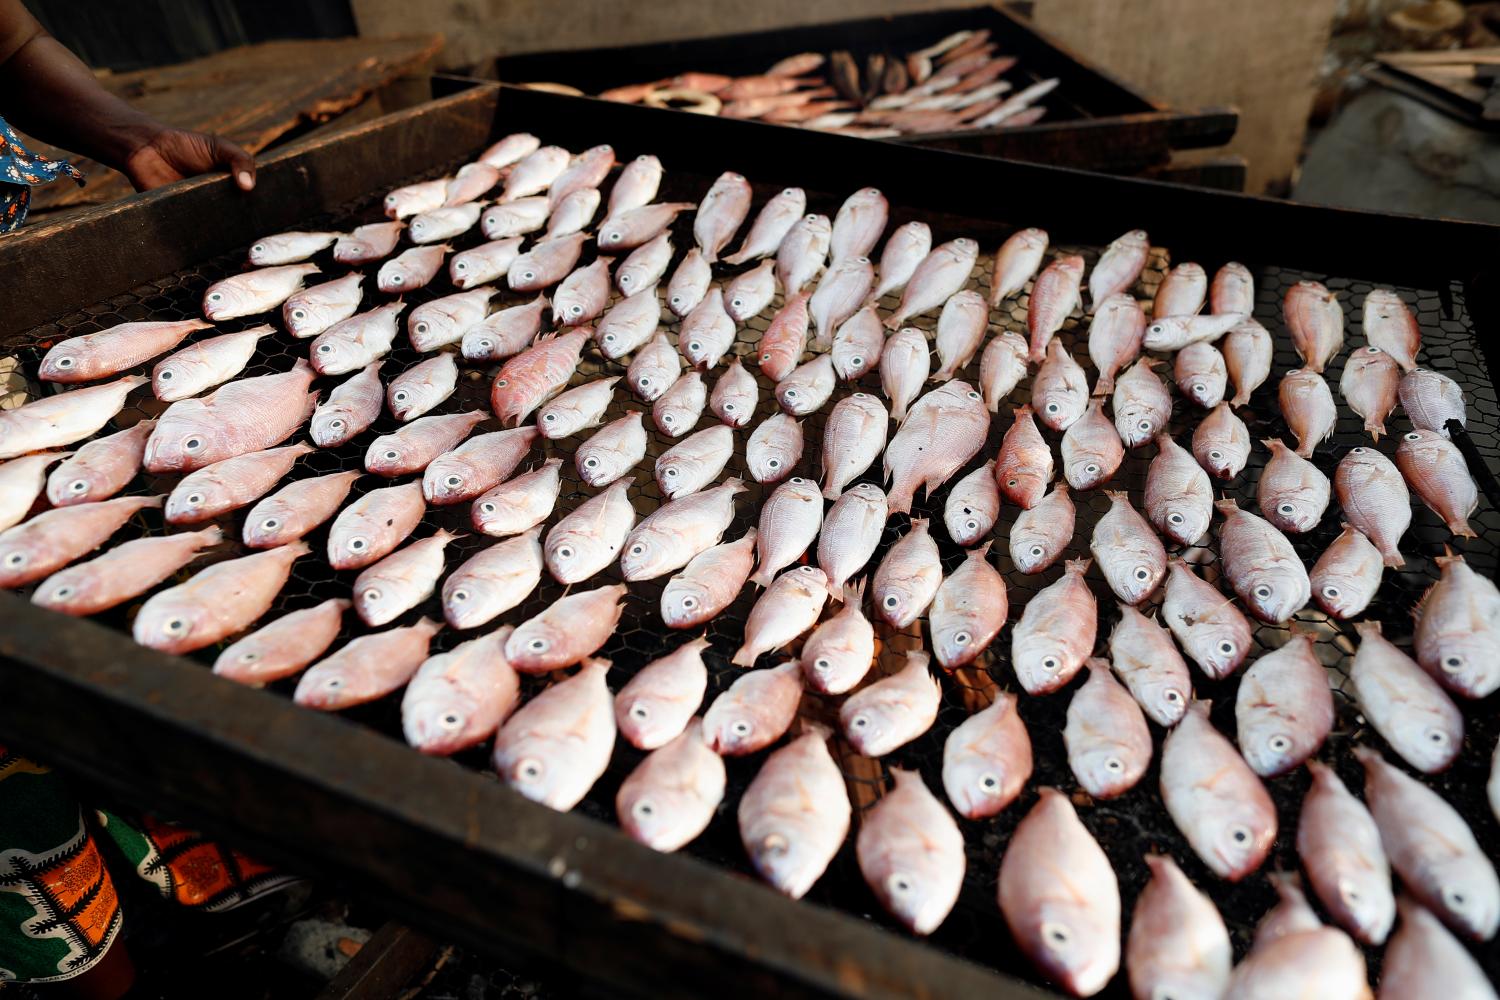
(383, 966)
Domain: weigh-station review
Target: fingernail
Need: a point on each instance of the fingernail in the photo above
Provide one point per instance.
(246, 181)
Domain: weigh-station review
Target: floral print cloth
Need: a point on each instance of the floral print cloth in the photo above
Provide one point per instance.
(20, 171)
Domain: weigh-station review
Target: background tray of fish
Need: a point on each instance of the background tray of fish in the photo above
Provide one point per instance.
(1128, 828)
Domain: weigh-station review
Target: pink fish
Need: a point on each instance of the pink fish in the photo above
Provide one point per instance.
(1109, 745)
(505, 332)
(556, 746)
(973, 504)
(1341, 852)
(802, 252)
(858, 226)
(1221, 443)
(1370, 384)
(1316, 321)
(629, 229)
(1211, 630)
(795, 815)
(296, 509)
(99, 469)
(1217, 802)
(734, 395)
(612, 451)
(694, 462)
(205, 364)
(1001, 367)
(850, 533)
(567, 631)
(1307, 405)
(894, 710)
(472, 181)
(1431, 399)
(659, 702)
(944, 430)
(987, 759)
(671, 796)
(907, 245)
(355, 342)
(1182, 291)
(788, 608)
(21, 483)
(475, 466)
(1023, 469)
(231, 484)
(315, 309)
(534, 172)
(1054, 296)
(514, 218)
(493, 580)
(1347, 574)
(853, 437)
(1142, 653)
(216, 602)
(255, 291)
(911, 854)
(841, 650)
(1179, 497)
(1128, 552)
(754, 712)
(844, 288)
(49, 541)
(789, 520)
(1284, 710)
(125, 571)
(442, 223)
(1060, 390)
(1016, 263)
(247, 415)
(350, 409)
(413, 447)
(1247, 351)
(709, 584)
(908, 577)
(589, 538)
(1262, 567)
(1119, 266)
(747, 295)
(720, 214)
(485, 263)
(583, 294)
(1141, 404)
(546, 263)
(707, 332)
(774, 448)
(1178, 944)
(689, 283)
(1173, 333)
(1091, 449)
(1424, 960)
(1375, 500)
(1435, 470)
(941, 273)
(421, 387)
(654, 368)
(534, 376)
(785, 339)
(670, 536)
(374, 525)
(459, 698)
(1457, 640)
(807, 387)
(369, 243)
(411, 269)
(1198, 369)
(1042, 533)
(1391, 328)
(284, 647)
(399, 582)
(414, 198)
(584, 171)
(1232, 290)
(1292, 493)
(1319, 961)
(771, 225)
(904, 366)
(1056, 632)
(1060, 897)
(576, 409)
(1115, 335)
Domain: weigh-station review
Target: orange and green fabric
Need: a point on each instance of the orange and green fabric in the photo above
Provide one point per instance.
(20, 171)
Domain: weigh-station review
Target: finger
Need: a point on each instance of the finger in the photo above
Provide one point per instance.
(240, 163)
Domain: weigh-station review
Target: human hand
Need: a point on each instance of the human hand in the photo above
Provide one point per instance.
(170, 154)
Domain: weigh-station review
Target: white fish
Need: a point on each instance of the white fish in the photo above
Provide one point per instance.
(851, 532)
(911, 854)
(671, 796)
(558, 744)
(858, 344)
(1001, 367)
(659, 702)
(904, 366)
(747, 295)
(1178, 945)
(576, 409)
(493, 580)
(973, 504)
(795, 814)
(313, 310)
(1142, 653)
(904, 250)
(1340, 849)
(645, 267)
(589, 538)
(774, 448)
(771, 225)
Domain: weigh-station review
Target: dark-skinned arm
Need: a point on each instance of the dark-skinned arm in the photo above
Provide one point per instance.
(47, 92)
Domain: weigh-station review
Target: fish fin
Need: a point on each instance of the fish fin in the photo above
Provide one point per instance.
(1228, 506)
(854, 593)
(743, 657)
(1078, 566)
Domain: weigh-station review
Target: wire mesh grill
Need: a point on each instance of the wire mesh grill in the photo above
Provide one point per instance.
(1128, 827)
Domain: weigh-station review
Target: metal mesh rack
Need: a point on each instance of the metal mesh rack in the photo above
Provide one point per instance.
(1127, 827)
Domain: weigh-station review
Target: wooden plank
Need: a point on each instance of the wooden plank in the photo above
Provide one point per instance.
(1260, 57)
(383, 966)
(253, 94)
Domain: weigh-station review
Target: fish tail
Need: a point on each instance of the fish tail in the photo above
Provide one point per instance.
(1375, 428)
(1104, 386)
(1394, 559)
(900, 498)
(744, 657)
(1460, 526)
(761, 578)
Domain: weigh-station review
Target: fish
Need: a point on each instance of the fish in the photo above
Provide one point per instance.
(654, 368)
(514, 218)
(97, 470)
(1347, 575)
(1210, 629)
(576, 409)
(677, 410)
(1178, 945)
(844, 288)
(1173, 333)
(535, 172)
(707, 332)
(1056, 632)
(785, 339)
(1435, 470)
(802, 252)
(1060, 389)
(283, 647)
(940, 274)
(904, 249)
(567, 631)
(972, 506)
(841, 650)
(807, 387)
(412, 268)
(1284, 710)
(1232, 290)
(1456, 639)
(504, 332)
(1108, 743)
(1016, 263)
(229, 485)
(735, 395)
(493, 580)
(858, 344)
(414, 198)
(589, 538)
(748, 294)
(987, 759)
(1407, 707)
(1424, 960)
(1262, 567)
(113, 350)
(22, 481)
(399, 582)
(795, 813)
(1091, 449)
(1316, 322)
(216, 602)
(710, 582)
(1316, 961)
(479, 464)
(1374, 497)
(1141, 404)
(1179, 498)
(613, 450)
(546, 263)
(511, 149)
(47, 542)
(369, 243)
(1308, 407)
(1041, 534)
(670, 536)
(412, 447)
(471, 182)
(1391, 328)
(584, 172)
(251, 292)
(853, 437)
(851, 532)
(296, 509)
(636, 226)
(754, 712)
(774, 448)
(1431, 399)
(721, 213)
(1119, 266)
(771, 225)
(1247, 351)
(350, 409)
(1023, 469)
(583, 294)
(1292, 493)
(910, 576)
(1142, 653)
(518, 504)
(1369, 385)
(944, 430)
(422, 386)
(1217, 802)
(1060, 897)
(1128, 552)
(659, 703)
(445, 320)
(1432, 849)
(904, 366)
(1341, 852)
(355, 342)
(1054, 296)
(1002, 365)
(637, 185)
(1115, 335)
(538, 373)
(628, 324)
(1221, 442)
(205, 364)
(443, 223)
(1182, 291)
(485, 263)
(1198, 369)
(787, 608)
(121, 573)
(858, 226)
(458, 699)
(694, 462)
(911, 854)
(373, 525)
(556, 746)
(646, 265)
(672, 795)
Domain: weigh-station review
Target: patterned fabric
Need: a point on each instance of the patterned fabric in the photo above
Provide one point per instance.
(20, 171)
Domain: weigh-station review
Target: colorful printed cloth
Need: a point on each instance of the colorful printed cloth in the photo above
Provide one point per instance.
(20, 171)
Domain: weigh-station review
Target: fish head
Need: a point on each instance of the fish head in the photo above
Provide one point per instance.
(253, 660)
(330, 426)
(651, 380)
(228, 298)
(673, 471)
(351, 545)
(66, 590)
(737, 725)
(658, 815)
(833, 668)
(433, 326)
(1067, 943)
(1293, 509)
(438, 722)
(874, 727)
(1362, 901)
(1102, 769)
(978, 783)
(570, 555)
(1029, 554)
(1221, 461)
(955, 642)
(1340, 593)
(67, 361)
(897, 604)
(389, 456)
(1040, 662)
(181, 445)
(645, 721)
(311, 313)
(534, 645)
(78, 485)
(914, 891)
(1137, 424)
(412, 398)
(1024, 487)
(1277, 592)
(1464, 661)
(1465, 889)
(333, 353)
(446, 480)
(683, 602)
(170, 625)
(197, 499)
(380, 599)
(784, 856)
(1238, 838)
(599, 464)
(1185, 522)
(397, 275)
(1086, 470)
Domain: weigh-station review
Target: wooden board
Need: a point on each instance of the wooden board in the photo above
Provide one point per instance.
(1260, 57)
(253, 94)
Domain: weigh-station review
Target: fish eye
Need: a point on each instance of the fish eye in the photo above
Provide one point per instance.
(550, 417)
(638, 549)
(175, 626)
(1012, 482)
(695, 346)
(421, 327)
(1279, 743)
(961, 638)
(1331, 592)
(1226, 648)
(1172, 696)
(1144, 425)
(670, 472)
(773, 464)
(460, 265)
(791, 394)
(891, 601)
(973, 525)
(1413, 436)
(215, 296)
(860, 721)
(609, 338)
(530, 769)
(591, 462)
(643, 809)
(899, 883)
(15, 560)
(1174, 518)
(1051, 663)
(193, 444)
(400, 395)
(193, 499)
(1286, 508)
(989, 783)
(337, 423)
(1357, 451)
(626, 279)
(371, 594)
(1114, 765)
(676, 300)
(736, 302)
(459, 596)
(1092, 469)
(640, 711)
(668, 419)
(528, 275)
(451, 721)
(1198, 387)
(1452, 664)
(689, 603)
(740, 728)
(1437, 737)
(1057, 936)
(391, 455)
(822, 664)
(325, 348)
(63, 593)
(358, 543)
(1263, 592)
(1455, 898)
(857, 361)
(1157, 328)
(487, 508)
(390, 199)
(250, 656)
(1142, 573)
(501, 383)
(1053, 407)
(396, 279)
(65, 362)
(538, 645)
(565, 552)
(485, 344)
(575, 309)
(1216, 454)
(78, 486)
(1240, 834)
(644, 381)
(1036, 552)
